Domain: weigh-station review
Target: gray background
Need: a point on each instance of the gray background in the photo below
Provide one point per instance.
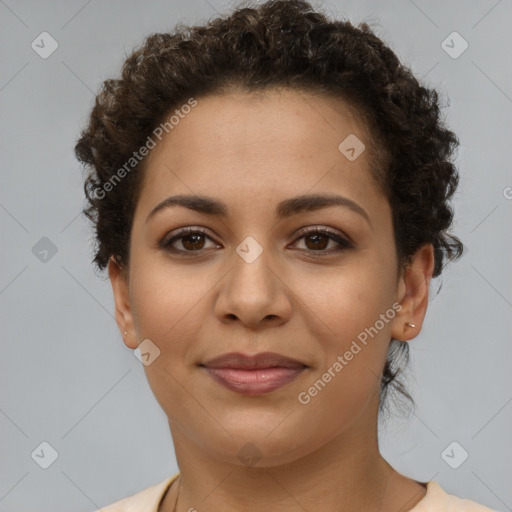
(66, 377)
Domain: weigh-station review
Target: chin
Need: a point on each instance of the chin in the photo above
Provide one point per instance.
(261, 443)
(259, 453)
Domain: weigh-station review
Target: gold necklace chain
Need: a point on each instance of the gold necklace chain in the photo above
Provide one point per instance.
(179, 489)
(177, 494)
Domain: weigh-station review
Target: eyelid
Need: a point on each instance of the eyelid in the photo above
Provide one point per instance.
(339, 235)
(182, 232)
(176, 234)
(342, 240)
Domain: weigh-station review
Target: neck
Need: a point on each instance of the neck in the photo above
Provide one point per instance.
(348, 473)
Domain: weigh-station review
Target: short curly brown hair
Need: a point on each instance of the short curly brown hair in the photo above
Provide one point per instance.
(280, 43)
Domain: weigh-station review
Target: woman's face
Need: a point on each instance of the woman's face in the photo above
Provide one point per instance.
(251, 281)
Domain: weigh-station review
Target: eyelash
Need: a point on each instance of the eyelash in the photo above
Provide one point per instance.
(343, 243)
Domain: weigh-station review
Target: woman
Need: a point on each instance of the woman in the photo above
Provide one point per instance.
(270, 194)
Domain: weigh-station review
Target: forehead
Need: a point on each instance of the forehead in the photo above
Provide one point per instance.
(277, 118)
(276, 137)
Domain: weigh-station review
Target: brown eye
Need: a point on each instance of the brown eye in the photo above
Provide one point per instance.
(319, 241)
(193, 242)
(188, 240)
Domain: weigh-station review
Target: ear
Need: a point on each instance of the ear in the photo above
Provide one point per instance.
(124, 318)
(412, 294)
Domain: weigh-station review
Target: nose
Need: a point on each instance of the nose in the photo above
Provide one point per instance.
(253, 294)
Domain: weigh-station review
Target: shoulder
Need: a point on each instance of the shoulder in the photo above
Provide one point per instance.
(146, 500)
(437, 500)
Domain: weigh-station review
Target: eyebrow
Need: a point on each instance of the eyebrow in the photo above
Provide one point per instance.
(285, 209)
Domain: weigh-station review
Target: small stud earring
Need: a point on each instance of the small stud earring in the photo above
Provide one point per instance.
(125, 333)
(410, 325)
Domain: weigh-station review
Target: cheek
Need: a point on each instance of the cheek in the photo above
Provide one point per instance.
(351, 316)
(333, 407)
(166, 304)
(353, 355)
(165, 298)
(343, 303)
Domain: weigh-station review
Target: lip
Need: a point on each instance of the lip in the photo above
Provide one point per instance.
(253, 374)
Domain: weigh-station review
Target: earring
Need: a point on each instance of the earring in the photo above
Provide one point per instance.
(125, 333)
(410, 325)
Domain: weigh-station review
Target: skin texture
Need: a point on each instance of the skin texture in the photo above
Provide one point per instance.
(251, 152)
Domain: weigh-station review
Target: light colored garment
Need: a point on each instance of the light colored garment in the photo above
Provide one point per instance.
(435, 500)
